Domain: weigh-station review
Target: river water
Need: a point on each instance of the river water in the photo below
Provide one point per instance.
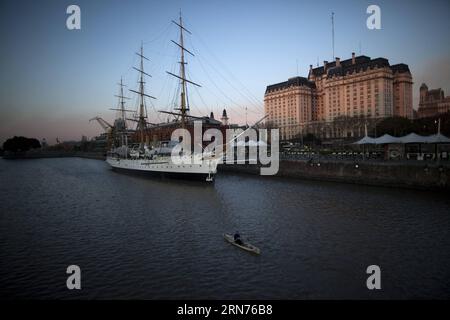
(144, 238)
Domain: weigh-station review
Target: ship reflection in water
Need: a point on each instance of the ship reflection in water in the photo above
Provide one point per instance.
(150, 238)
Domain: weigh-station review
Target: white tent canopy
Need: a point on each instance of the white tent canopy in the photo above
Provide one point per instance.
(366, 140)
(410, 138)
(250, 143)
(414, 138)
(438, 138)
(262, 143)
(387, 139)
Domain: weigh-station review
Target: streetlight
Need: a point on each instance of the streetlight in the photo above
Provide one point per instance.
(438, 122)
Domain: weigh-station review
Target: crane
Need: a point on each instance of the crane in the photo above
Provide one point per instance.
(103, 123)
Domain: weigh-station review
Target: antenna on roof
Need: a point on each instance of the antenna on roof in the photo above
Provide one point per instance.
(246, 122)
(360, 48)
(332, 31)
(297, 66)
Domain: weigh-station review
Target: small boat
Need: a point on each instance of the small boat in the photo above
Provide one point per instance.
(245, 246)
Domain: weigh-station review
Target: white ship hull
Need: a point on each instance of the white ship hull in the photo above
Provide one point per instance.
(202, 169)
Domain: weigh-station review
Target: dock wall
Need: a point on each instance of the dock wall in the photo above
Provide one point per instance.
(425, 176)
(388, 174)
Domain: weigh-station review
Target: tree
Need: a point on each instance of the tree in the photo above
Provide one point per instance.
(311, 139)
(398, 126)
(395, 126)
(308, 139)
(23, 144)
(427, 126)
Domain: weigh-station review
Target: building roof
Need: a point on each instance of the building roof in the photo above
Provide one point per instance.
(360, 60)
(400, 68)
(436, 94)
(362, 63)
(296, 81)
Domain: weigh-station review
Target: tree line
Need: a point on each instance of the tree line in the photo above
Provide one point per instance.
(21, 144)
(398, 126)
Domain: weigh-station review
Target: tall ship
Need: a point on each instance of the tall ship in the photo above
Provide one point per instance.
(143, 157)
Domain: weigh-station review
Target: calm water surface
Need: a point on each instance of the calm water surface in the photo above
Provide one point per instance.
(146, 238)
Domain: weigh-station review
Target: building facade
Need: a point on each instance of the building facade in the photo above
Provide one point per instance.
(290, 104)
(432, 102)
(359, 87)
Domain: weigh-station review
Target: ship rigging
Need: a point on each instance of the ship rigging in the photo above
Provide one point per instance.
(157, 159)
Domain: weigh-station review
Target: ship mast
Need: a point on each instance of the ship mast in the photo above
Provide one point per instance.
(121, 130)
(184, 106)
(142, 122)
(122, 101)
(184, 103)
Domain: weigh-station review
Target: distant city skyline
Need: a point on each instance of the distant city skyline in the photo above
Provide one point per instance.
(54, 79)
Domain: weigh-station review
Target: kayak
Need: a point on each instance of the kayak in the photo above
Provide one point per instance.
(245, 246)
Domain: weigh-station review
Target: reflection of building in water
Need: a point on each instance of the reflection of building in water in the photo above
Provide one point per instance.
(432, 102)
(359, 87)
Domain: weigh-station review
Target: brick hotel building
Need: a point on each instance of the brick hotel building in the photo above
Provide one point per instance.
(338, 98)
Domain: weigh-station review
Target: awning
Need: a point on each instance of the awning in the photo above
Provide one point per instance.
(438, 138)
(387, 139)
(410, 138)
(250, 143)
(414, 138)
(366, 140)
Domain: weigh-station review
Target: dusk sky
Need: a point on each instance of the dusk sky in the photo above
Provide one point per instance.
(53, 80)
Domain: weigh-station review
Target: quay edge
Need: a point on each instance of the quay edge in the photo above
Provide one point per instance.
(424, 176)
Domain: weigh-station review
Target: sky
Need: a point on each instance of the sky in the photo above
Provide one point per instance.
(53, 80)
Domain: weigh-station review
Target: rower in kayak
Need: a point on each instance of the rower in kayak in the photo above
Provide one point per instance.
(236, 241)
(237, 238)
